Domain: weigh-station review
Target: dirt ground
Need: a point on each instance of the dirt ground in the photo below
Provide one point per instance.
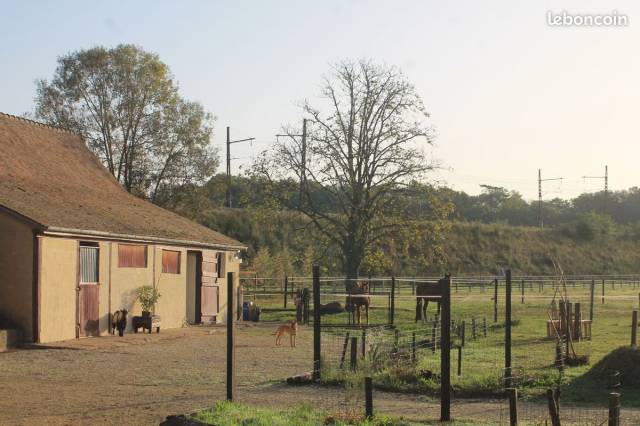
(139, 379)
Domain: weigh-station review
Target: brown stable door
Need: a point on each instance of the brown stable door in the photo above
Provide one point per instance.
(209, 291)
(88, 291)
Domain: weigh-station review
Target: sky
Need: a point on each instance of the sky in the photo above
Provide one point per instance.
(507, 93)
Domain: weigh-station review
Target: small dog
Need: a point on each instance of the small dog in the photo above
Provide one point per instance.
(291, 328)
(119, 321)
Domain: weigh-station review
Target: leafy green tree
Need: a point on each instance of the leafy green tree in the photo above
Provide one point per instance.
(125, 104)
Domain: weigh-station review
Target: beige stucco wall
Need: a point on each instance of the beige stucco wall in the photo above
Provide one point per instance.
(16, 273)
(58, 281)
(191, 287)
(118, 286)
(172, 305)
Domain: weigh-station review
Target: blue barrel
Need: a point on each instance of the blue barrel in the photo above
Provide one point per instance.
(246, 311)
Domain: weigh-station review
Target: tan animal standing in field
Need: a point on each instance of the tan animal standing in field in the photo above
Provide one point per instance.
(291, 328)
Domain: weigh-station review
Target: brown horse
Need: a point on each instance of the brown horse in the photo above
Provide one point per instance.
(425, 293)
(357, 300)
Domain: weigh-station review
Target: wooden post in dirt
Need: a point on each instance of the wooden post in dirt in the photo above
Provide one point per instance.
(507, 332)
(231, 350)
(495, 300)
(554, 411)
(634, 329)
(614, 409)
(591, 298)
(392, 308)
(316, 323)
(459, 360)
(445, 349)
(286, 290)
(513, 407)
(368, 397)
(354, 354)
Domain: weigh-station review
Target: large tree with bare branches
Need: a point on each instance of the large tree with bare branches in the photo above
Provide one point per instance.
(363, 143)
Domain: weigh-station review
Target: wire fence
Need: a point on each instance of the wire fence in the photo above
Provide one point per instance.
(400, 348)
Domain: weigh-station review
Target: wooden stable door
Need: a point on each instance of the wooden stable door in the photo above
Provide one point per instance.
(88, 310)
(210, 297)
(88, 292)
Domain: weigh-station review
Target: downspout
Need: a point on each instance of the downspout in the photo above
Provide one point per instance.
(110, 272)
(36, 291)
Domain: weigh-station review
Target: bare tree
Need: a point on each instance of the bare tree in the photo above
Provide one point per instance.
(363, 142)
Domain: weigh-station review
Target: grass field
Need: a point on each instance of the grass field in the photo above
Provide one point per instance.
(231, 414)
(483, 358)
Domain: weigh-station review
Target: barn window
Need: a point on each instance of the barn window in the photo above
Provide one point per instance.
(170, 262)
(88, 264)
(132, 256)
(219, 258)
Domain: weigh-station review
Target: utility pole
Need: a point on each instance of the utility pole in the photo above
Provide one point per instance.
(229, 142)
(606, 184)
(540, 180)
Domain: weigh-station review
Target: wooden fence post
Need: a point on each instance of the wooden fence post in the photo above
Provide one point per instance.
(507, 332)
(513, 407)
(495, 300)
(344, 350)
(286, 289)
(364, 342)
(231, 349)
(413, 347)
(434, 344)
(463, 331)
(522, 291)
(484, 326)
(316, 323)
(603, 292)
(368, 397)
(473, 328)
(459, 360)
(445, 349)
(591, 298)
(354, 353)
(634, 329)
(614, 409)
(577, 322)
(392, 308)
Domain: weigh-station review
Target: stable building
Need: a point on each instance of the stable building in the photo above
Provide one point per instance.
(75, 246)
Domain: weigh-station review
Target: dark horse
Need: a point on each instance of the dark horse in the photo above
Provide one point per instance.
(119, 321)
(425, 293)
(357, 300)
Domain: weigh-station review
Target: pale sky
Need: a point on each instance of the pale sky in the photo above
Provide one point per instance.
(507, 93)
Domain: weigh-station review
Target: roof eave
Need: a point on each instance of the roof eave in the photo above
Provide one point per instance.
(79, 233)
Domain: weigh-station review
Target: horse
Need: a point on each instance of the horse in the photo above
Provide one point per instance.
(119, 321)
(356, 300)
(425, 293)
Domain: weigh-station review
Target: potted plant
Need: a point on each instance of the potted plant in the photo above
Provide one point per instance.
(147, 296)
